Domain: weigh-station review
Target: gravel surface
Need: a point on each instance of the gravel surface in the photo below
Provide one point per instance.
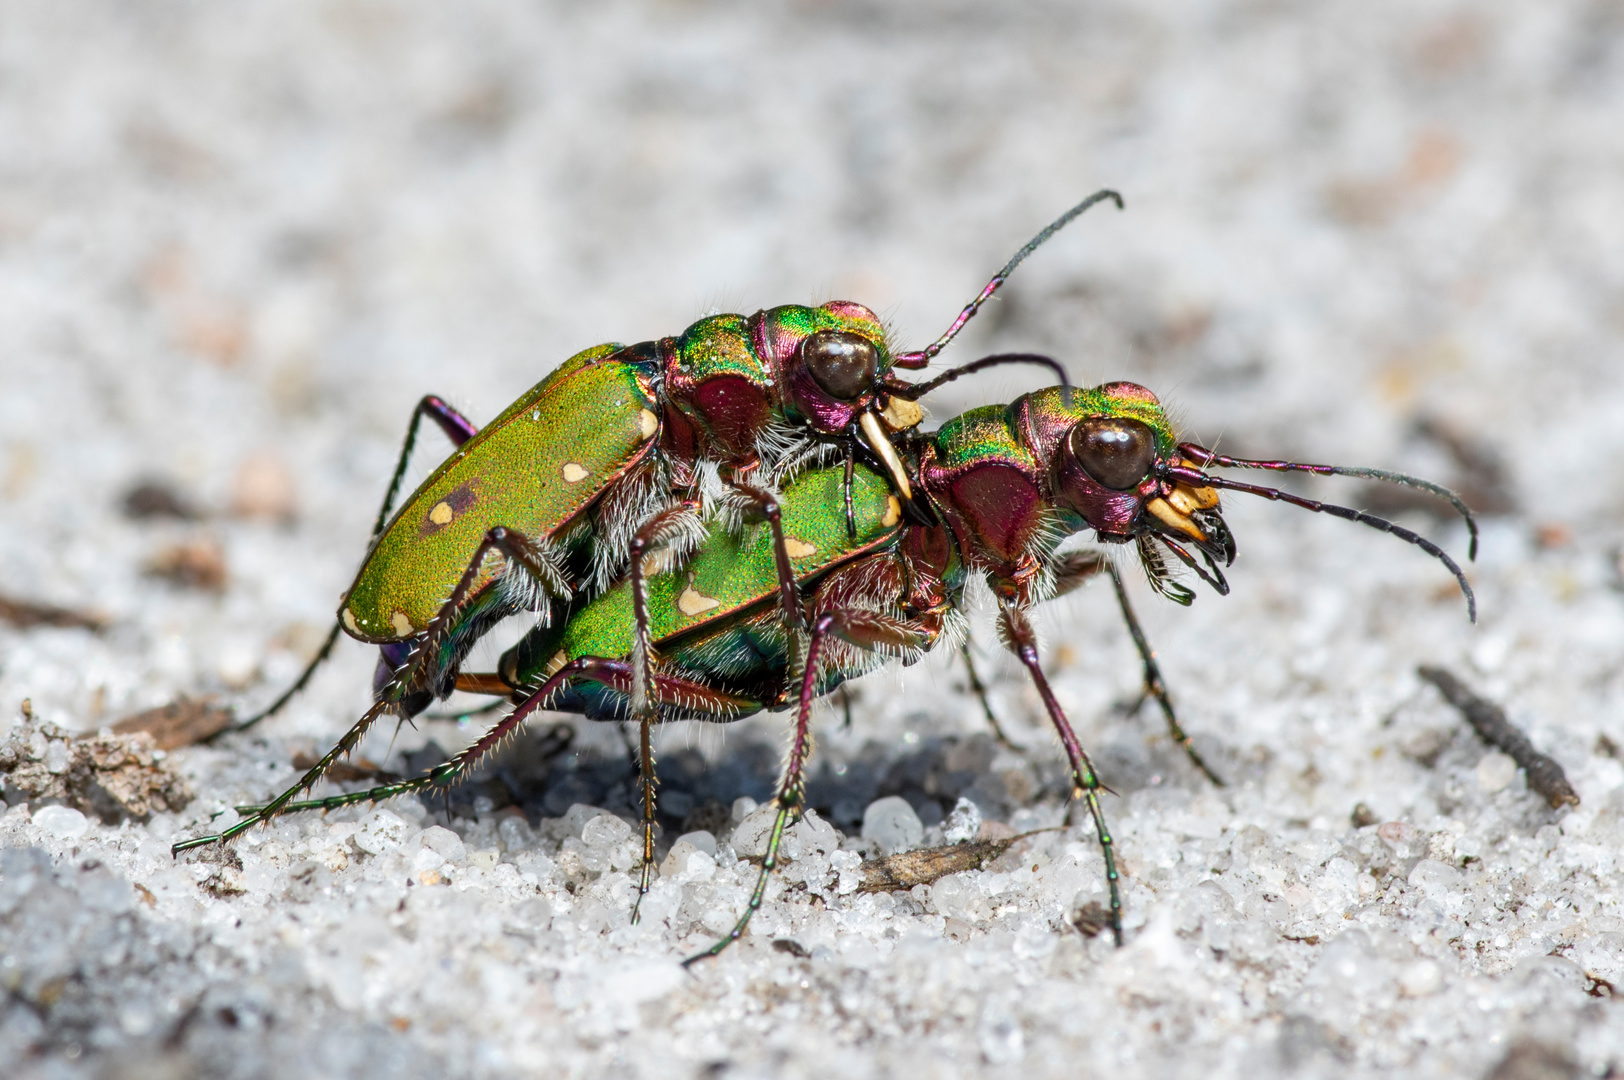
(238, 241)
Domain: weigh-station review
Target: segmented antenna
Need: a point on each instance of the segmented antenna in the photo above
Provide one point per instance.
(1204, 457)
(915, 391)
(914, 360)
(1197, 478)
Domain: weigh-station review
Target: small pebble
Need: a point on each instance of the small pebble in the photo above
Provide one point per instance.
(963, 824)
(892, 823)
(56, 757)
(750, 838)
(445, 843)
(702, 840)
(381, 831)
(1495, 772)
(237, 663)
(1420, 979)
(579, 814)
(605, 830)
(688, 863)
(62, 822)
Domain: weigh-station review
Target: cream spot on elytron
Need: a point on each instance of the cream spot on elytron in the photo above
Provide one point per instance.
(647, 423)
(560, 658)
(893, 511)
(403, 626)
(691, 602)
(799, 549)
(349, 621)
(573, 473)
(536, 415)
(441, 514)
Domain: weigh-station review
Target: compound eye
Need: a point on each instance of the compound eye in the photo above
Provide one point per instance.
(1115, 451)
(846, 365)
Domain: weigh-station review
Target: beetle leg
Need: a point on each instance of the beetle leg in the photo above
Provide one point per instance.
(278, 805)
(865, 629)
(1079, 567)
(1155, 685)
(287, 695)
(1018, 634)
(791, 790)
(459, 429)
(980, 691)
(646, 780)
(658, 535)
(511, 544)
(789, 594)
(654, 533)
(616, 674)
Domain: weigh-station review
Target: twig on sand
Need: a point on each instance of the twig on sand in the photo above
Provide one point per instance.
(1489, 721)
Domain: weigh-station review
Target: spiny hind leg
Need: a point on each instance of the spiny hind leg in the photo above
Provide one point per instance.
(865, 629)
(614, 674)
(390, 698)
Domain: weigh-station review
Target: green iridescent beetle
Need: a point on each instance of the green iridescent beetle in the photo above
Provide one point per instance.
(625, 451)
(1006, 484)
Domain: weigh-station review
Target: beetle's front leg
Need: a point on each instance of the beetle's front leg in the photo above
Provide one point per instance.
(1155, 685)
(765, 503)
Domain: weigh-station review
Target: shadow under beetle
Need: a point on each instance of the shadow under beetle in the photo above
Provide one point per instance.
(740, 597)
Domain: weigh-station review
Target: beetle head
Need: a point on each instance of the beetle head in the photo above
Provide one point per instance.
(1108, 450)
(1115, 463)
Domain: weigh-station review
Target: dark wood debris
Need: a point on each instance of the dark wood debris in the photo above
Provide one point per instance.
(1489, 721)
(891, 873)
(25, 614)
(1091, 919)
(156, 499)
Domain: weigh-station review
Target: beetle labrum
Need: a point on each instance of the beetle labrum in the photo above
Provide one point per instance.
(1006, 485)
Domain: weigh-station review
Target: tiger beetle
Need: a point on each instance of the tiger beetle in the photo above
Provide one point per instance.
(620, 457)
(712, 616)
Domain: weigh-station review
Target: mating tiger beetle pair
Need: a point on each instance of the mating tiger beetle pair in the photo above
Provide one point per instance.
(746, 516)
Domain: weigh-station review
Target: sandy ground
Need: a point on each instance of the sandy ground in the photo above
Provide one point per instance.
(238, 241)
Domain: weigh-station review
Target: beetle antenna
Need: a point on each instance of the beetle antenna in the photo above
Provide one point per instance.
(1197, 478)
(914, 360)
(915, 391)
(1204, 457)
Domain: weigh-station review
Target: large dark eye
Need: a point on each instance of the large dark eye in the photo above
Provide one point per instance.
(1117, 452)
(844, 364)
